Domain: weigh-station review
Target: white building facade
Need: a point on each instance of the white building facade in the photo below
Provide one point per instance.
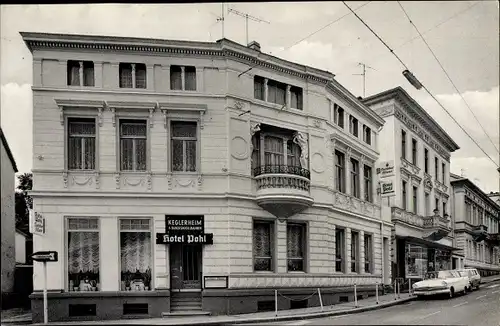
(172, 171)
(419, 151)
(476, 226)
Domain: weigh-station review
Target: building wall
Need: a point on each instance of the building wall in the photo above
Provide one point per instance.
(8, 222)
(20, 248)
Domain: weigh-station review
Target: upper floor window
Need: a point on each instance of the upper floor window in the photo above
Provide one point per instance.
(443, 172)
(415, 200)
(339, 171)
(414, 151)
(338, 117)
(278, 151)
(426, 160)
(436, 168)
(367, 170)
(276, 92)
(132, 75)
(367, 135)
(81, 143)
(353, 125)
(296, 98)
(80, 73)
(184, 146)
(259, 88)
(403, 144)
(355, 178)
(183, 78)
(133, 136)
(444, 208)
(279, 93)
(436, 204)
(404, 198)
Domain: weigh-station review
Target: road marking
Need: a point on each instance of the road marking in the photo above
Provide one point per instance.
(482, 296)
(431, 314)
(493, 286)
(301, 322)
(460, 304)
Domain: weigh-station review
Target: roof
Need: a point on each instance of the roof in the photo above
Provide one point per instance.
(7, 149)
(222, 48)
(422, 116)
(464, 181)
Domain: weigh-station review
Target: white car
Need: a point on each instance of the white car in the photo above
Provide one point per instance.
(442, 282)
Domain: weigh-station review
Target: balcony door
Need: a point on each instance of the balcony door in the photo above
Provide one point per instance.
(279, 151)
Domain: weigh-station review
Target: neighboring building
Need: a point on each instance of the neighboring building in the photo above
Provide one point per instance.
(21, 238)
(477, 225)
(495, 196)
(419, 150)
(8, 184)
(216, 143)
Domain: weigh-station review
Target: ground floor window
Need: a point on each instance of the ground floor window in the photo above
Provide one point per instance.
(416, 261)
(83, 254)
(136, 255)
(339, 250)
(296, 245)
(368, 253)
(263, 246)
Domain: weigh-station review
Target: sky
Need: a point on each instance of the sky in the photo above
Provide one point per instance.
(464, 36)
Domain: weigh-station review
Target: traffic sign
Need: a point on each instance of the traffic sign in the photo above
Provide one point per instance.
(44, 256)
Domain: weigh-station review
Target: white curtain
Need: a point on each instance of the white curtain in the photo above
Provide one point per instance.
(83, 252)
(135, 251)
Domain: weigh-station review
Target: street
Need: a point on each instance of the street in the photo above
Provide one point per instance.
(481, 307)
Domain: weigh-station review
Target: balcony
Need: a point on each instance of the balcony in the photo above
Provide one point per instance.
(283, 190)
(493, 239)
(480, 232)
(436, 227)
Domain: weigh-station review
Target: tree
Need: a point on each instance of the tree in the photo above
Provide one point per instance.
(23, 201)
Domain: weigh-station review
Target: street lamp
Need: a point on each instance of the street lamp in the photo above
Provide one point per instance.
(412, 79)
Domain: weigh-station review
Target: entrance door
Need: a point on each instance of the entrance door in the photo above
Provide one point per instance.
(185, 266)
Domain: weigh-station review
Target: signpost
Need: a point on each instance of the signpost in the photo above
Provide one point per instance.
(44, 257)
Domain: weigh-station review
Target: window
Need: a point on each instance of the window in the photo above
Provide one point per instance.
(263, 246)
(132, 75)
(367, 171)
(354, 251)
(443, 172)
(367, 135)
(339, 115)
(183, 78)
(353, 125)
(133, 143)
(296, 244)
(436, 167)
(296, 97)
(426, 160)
(427, 204)
(355, 178)
(339, 250)
(415, 200)
(259, 88)
(368, 253)
(403, 144)
(278, 151)
(414, 151)
(136, 254)
(190, 78)
(276, 92)
(403, 197)
(339, 171)
(444, 208)
(273, 151)
(81, 143)
(80, 73)
(83, 254)
(437, 204)
(184, 146)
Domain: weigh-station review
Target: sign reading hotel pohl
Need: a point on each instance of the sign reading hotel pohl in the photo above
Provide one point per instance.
(184, 229)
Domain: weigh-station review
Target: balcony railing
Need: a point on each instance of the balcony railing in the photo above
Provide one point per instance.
(282, 169)
(437, 226)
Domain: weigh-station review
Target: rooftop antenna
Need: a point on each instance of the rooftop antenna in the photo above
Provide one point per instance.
(364, 76)
(219, 19)
(247, 17)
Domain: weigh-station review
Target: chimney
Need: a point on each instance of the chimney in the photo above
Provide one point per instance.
(254, 46)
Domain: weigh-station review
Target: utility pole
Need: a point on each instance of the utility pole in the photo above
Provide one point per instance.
(247, 17)
(364, 76)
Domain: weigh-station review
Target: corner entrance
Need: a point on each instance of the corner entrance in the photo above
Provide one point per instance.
(185, 267)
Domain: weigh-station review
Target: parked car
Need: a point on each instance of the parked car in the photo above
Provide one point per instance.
(474, 277)
(447, 282)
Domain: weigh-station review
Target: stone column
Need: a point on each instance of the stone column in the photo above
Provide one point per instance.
(266, 92)
(150, 77)
(165, 78)
(361, 259)
(98, 69)
(333, 246)
(183, 77)
(288, 97)
(133, 76)
(80, 72)
(200, 79)
(348, 250)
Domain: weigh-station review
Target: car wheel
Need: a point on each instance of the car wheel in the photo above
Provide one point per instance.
(452, 292)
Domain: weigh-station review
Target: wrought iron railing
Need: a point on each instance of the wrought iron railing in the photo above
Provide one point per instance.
(282, 169)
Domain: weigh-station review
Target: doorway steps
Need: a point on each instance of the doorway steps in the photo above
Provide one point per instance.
(185, 304)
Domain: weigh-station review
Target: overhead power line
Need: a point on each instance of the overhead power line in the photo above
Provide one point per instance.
(308, 36)
(448, 76)
(426, 89)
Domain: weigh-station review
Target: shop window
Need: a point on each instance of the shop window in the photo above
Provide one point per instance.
(184, 146)
(80, 73)
(81, 144)
(339, 171)
(367, 171)
(339, 250)
(132, 75)
(135, 254)
(416, 261)
(296, 245)
(133, 144)
(355, 191)
(83, 254)
(263, 235)
(368, 253)
(354, 252)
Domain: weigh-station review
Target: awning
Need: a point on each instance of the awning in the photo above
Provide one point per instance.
(429, 244)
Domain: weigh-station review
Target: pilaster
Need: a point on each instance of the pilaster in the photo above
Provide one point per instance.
(200, 79)
(348, 250)
(361, 262)
(98, 71)
(150, 77)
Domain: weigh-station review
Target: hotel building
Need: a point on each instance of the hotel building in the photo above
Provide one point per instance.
(414, 166)
(196, 177)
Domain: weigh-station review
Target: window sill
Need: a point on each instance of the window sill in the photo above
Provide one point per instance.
(296, 272)
(78, 86)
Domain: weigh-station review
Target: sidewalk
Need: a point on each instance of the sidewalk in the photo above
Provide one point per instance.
(10, 317)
